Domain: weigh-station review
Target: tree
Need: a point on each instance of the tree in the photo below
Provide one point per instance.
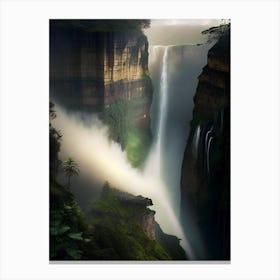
(70, 167)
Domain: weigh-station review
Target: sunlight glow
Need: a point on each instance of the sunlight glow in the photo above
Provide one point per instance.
(104, 160)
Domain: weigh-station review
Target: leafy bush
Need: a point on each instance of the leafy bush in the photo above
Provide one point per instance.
(66, 233)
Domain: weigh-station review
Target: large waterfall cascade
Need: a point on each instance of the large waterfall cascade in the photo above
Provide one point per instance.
(174, 70)
(154, 163)
(162, 110)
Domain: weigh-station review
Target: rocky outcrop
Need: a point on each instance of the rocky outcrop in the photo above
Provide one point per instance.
(170, 243)
(147, 222)
(91, 68)
(144, 216)
(205, 179)
(124, 223)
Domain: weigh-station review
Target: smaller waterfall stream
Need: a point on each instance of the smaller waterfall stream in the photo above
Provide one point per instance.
(208, 155)
(196, 139)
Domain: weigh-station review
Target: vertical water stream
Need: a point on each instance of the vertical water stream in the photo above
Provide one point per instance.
(155, 160)
(174, 71)
(162, 113)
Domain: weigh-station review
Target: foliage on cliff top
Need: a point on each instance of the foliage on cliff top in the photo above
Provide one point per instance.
(101, 25)
(120, 204)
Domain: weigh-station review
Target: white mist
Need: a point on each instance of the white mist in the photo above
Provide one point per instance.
(103, 160)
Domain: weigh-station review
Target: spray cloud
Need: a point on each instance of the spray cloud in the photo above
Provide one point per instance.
(86, 139)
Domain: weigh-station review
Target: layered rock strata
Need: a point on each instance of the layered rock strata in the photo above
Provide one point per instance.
(92, 69)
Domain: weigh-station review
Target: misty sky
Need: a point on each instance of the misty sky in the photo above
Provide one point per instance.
(178, 31)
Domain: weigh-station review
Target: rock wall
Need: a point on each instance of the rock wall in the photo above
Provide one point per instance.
(91, 69)
(205, 177)
(170, 243)
(147, 222)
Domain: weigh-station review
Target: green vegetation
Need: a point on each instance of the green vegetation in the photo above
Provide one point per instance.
(113, 234)
(68, 228)
(115, 231)
(114, 202)
(137, 145)
(67, 225)
(115, 116)
(134, 139)
(70, 168)
(126, 241)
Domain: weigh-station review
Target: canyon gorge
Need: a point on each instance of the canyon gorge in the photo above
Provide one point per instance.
(149, 127)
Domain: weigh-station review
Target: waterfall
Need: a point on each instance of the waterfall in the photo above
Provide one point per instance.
(208, 156)
(174, 71)
(154, 162)
(162, 113)
(207, 147)
(196, 141)
(206, 138)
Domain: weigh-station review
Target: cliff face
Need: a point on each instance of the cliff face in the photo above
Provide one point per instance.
(147, 222)
(92, 69)
(101, 66)
(205, 179)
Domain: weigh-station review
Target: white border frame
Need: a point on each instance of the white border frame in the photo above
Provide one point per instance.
(254, 146)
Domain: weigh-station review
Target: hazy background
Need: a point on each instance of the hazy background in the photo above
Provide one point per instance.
(178, 31)
(85, 138)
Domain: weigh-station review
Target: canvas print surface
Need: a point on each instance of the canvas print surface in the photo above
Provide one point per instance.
(139, 140)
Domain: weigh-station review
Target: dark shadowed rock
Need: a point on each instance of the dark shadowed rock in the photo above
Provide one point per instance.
(205, 178)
